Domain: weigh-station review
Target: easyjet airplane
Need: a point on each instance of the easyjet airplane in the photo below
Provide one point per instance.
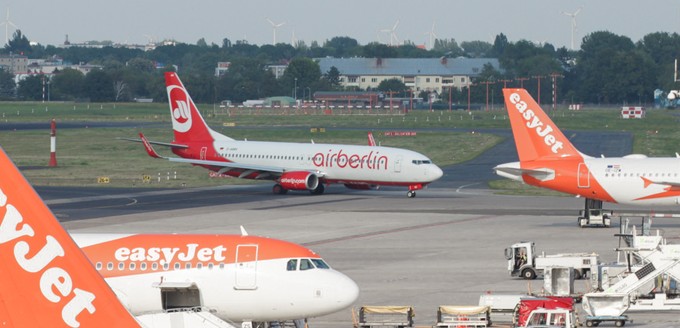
(294, 166)
(46, 280)
(240, 278)
(548, 160)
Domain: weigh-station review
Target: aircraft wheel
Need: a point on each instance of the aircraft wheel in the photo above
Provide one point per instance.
(411, 194)
(279, 190)
(619, 323)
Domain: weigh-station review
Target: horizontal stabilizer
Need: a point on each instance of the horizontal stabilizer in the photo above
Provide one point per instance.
(159, 143)
(514, 172)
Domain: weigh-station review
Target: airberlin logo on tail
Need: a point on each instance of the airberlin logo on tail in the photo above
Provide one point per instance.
(535, 123)
(56, 284)
(179, 106)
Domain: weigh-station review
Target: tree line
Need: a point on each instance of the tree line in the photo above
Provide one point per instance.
(607, 69)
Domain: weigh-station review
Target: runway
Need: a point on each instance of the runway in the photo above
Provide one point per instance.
(444, 247)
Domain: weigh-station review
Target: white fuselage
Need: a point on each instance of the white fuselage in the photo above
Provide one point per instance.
(185, 274)
(336, 163)
(623, 177)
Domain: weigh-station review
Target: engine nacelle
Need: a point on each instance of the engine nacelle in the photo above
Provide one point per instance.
(299, 180)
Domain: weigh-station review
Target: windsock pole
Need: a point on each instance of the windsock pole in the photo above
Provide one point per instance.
(53, 144)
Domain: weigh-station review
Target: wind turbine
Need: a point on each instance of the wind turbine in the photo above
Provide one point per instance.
(574, 27)
(7, 23)
(432, 35)
(275, 27)
(393, 35)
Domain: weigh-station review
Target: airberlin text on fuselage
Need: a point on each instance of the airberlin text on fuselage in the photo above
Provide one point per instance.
(56, 284)
(167, 254)
(534, 122)
(371, 161)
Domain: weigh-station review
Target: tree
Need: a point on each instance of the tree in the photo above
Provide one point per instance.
(98, 86)
(394, 85)
(379, 50)
(67, 85)
(301, 73)
(7, 85)
(19, 44)
(333, 77)
(31, 88)
(476, 49)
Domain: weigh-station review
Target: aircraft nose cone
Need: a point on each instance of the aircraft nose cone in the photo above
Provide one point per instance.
(436, 172)
(348, 292)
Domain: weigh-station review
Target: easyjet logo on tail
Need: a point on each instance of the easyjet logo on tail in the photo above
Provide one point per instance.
(56, 284)
(181, 110)
(534, 122)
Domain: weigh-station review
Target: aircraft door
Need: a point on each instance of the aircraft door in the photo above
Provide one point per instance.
(204, 151)
(583, 176)
(246, 267)
(397, 164)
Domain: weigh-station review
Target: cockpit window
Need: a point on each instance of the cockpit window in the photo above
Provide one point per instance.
(320, 264)
(421, 161)
(306, 264)
(292, 265)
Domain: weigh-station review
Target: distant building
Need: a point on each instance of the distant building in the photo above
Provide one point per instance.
(354, 98)
(419, 74)
(15, 64)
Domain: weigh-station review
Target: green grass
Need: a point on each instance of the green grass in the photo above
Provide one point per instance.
(84, 155)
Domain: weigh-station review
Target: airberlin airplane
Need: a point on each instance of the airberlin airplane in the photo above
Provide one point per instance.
(47, 280)
(548, 160)
(294, 166)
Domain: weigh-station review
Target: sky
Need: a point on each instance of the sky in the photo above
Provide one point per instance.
(138, 21)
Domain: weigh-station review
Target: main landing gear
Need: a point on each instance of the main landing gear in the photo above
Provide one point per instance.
(318, 190)
(279, 189)
(411, 194)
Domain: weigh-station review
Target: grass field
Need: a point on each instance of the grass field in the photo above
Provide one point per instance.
(86, 155)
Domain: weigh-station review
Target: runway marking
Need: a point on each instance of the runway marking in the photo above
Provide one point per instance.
(395, 230)
(307, 204)
(465, 186)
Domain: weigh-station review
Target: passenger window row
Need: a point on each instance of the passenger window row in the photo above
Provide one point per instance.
(154, 266)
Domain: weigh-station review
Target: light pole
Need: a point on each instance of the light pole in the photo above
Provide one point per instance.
(295, 91)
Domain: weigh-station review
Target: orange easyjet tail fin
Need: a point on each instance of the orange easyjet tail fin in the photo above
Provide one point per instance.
(536, 136)
(45, 279)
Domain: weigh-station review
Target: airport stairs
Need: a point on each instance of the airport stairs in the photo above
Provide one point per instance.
(615, 300)
(186, 317)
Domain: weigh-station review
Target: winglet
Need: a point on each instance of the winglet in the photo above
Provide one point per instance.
(243, 231)
(147, 146)
(371, 140)
(47, 281)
